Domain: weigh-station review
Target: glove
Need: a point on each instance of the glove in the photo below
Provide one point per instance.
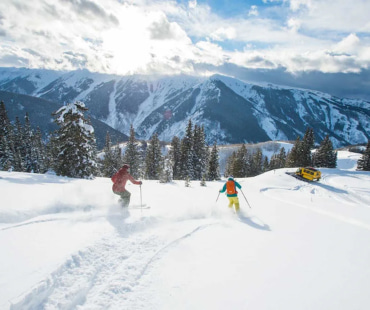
(141, 182)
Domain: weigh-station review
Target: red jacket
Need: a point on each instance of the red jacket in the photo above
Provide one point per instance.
(120, 179)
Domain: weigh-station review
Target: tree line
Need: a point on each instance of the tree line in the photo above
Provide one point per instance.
(71, 151)
(189, 158)
(304, 153)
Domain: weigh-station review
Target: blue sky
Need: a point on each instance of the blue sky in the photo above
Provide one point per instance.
(230, 8)
(293, 37)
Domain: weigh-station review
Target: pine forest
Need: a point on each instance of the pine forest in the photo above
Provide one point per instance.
(71, 151)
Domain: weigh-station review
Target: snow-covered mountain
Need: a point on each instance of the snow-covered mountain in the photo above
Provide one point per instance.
(232, 111)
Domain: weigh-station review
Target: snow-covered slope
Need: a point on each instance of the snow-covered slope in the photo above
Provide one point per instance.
(232, 111)
(66, 245)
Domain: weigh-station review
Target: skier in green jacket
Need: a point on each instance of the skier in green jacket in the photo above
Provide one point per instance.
(231, 192)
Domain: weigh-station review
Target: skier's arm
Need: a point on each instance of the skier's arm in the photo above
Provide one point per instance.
(238, 185)
(130, 177)
(223, 189)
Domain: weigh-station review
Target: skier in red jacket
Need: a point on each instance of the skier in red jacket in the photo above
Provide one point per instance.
(119, 180)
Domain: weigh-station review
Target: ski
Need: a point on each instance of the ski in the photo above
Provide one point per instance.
(139, 207)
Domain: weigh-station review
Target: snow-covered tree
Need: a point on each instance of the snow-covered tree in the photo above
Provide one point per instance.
(75, 142)
(108, 163)
(213, 164)
(229, 169)
(293, 159)
(266, 164)
(132, 154)
(167, 172)
(278, 160)
(187, 153)
(306, 146)
(200, 153)
(325, 156)
(240, 164)
(364, 162)
(256, 166)
(40, 161)
(175, 157)
(27, 137)
(6, 141)
(153, 159)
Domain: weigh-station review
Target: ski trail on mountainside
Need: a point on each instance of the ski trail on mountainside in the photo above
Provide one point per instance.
(314, 189)
(104, 274)
(354, 194)
(112, 118)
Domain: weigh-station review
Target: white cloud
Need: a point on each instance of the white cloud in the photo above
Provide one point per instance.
(222, 34)
(295, 5)
(349, 44)
(294, 24)
(334, 15)
(253, 11)
(168, 37)
(192, 4)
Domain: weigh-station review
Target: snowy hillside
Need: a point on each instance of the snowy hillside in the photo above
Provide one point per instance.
(66, 245)
(232, 111)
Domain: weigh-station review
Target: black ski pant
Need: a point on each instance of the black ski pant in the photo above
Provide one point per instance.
(125, 198)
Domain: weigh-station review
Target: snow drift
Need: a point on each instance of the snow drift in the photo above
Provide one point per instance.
(65, 244)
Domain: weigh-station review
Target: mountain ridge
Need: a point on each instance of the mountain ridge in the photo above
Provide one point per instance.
(231, 110)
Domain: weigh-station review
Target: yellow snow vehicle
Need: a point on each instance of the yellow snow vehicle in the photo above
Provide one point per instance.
(308, 173)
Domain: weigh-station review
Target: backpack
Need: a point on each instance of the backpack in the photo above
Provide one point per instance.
(230, 188)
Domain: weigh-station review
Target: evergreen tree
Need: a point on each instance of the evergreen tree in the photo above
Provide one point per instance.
(293, 159)
(310, 138)
(75, 142)
(187, 153)
(175, 157)
(213, 164)
(256, 163)
(28, 156)
(274, 162)
(40, 162)
(364, 162)
(18, 144)
(132, 154)
(7, 152)
(203, 181)
(108, 163)
(306, 146)
(282, 158)
(325, 156)
(240, 164)
(166, 171)
(153, 160)
(117, 157)
(277, 161)
(266, 164)
(229, 169)
(200, 156)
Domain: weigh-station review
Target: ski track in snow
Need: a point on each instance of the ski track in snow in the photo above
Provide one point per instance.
(334, 192)
(104, 274)
(33, 222)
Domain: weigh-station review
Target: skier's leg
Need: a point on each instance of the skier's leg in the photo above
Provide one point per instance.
(231, 202)
(125, 196)
(236, 201)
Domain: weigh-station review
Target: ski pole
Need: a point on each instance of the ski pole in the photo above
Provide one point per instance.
(246, 199)
(141, 200)
(218, 196)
